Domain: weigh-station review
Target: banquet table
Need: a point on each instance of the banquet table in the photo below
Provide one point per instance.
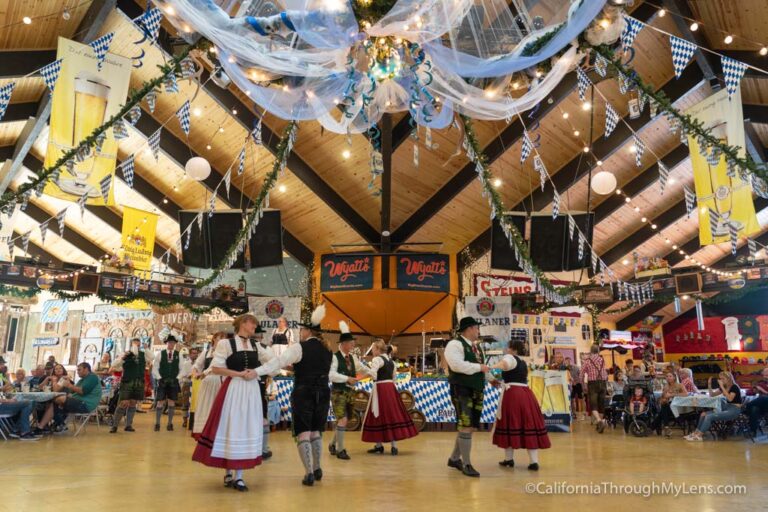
(684, 404)
(37, 396)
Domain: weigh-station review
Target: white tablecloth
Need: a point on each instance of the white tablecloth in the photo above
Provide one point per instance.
(36, 396)
(684, 404)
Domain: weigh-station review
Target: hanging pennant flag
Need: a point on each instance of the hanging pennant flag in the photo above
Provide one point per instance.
(154, 143)
(241, 162)
(199, 219)
(188, 67)
(11, 247)
(188, 239)
(256, 132)
(134, 114)
(593, 255)
(713, 158)
(151, 99)
(714, 222)
(642, 100)
(733, 230)
(101, 47)
(663, 175)
(581, 246)
(128, 170)
(25, 199)
(752, 248)
(60, 220)
(538, 164)
(40, 186)
(583, 82)
(170, 83)
(690, 200)
(601, 65)
(119, 131)
(44, 230)
(555, 205)
(212, 204)
(639, 150)
(105, 185)
(5, 97)
(25, 241)
(526, 148)
(50, 74)
(81, 204)
(682, 51)
(630, 31)
(571, 227)
(227, 180)
(623, 82)
(611, 119)
(149, 23)
(733, 71)
(183, 115)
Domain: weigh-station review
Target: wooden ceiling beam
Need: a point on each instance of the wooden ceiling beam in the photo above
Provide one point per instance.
(20, 63)
(708, 67)
(36, 252)
(87, 31)
(19, 111)
(70, 235)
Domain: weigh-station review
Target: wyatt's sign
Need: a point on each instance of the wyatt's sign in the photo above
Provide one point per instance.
(339, 272)
(429, 272)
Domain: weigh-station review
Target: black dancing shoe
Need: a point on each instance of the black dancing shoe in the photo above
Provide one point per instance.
(113, 430)
(129, 429)
(169, 428)
(239, 485)
(266, 455)
(309, 480)
(394, 451)
(157, 427)
(470, 471)
(376, 449)
(184, 423)
(343, 455)
(332, 448)
(456, 464)
(318, 474)
(507, 463)
(534, 466)
(227, 480)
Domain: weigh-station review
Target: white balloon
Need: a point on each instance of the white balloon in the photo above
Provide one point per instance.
(198, 168)
(604, 183)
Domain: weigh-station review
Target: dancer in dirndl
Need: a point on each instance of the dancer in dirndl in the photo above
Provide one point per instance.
(519, 422)
(210, 386)
(232, 436)
(386, 420)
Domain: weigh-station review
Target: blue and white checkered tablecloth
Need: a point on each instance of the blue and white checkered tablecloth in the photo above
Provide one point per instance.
(432, 397)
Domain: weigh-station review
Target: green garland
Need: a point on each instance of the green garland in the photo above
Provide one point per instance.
(689, 124)
(534, 46)
(134, 99)
(17, 292)
(281, 155)
(371, 10)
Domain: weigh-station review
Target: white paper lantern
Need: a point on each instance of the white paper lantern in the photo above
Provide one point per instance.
(198, 168)
(604, 183)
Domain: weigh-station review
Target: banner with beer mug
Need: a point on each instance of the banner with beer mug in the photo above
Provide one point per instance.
(84, 98)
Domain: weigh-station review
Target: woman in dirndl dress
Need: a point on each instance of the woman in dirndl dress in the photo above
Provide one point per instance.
(519, 422)
(210, 386)
(386, 420)
(282, 337)
(232, 436)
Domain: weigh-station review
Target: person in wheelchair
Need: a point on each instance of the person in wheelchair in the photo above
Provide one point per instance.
(640, 406)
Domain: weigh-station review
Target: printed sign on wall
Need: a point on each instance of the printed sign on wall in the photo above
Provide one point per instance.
(428, 272)
(341, 273)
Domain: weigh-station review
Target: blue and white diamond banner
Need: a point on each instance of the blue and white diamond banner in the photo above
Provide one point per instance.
(611, 119)
(630, 31)
(5, 97)
(583, 83)
(733, 71)
(101, 47)
(183, 115)
(50, 74)
(682, 51)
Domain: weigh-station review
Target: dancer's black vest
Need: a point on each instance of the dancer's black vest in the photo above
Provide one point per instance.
(518, 374)
(315, 364)
(386, 372)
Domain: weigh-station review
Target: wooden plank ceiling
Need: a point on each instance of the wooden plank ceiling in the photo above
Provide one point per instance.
(326, 199)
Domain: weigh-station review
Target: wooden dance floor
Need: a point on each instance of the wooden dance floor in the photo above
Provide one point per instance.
(152, 471)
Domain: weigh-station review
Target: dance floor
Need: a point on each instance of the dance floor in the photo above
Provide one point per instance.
(152, 471)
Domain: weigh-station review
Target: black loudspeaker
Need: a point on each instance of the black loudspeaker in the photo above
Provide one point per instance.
(86, 283)
(502, 254)
(223, 228)
(198, 254)
(552, 249)
(266, 246)
(688, 283)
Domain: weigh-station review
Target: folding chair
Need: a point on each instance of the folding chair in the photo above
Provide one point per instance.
(79, 421)
(5, 425)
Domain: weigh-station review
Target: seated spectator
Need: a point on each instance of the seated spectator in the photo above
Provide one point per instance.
(38, 375)
(21, 411)
(629, 365)
(618, 382)
(20, 378)
(726, 387)
(84, 397)
(5, 381)
(657, 381)
(686, 379)
(59, 373)
(638, 404)
(671, 390)
(636, 374)
(103, 366)
(758, 407)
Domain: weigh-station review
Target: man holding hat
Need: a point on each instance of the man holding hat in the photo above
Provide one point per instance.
(165, 370)
(467, 375)
(311, 360)
(343, 374)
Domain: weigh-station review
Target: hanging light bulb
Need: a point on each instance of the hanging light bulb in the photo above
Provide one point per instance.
(694, 26)
(728, 39)
(763, 51)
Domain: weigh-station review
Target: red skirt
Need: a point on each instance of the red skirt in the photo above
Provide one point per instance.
(521, 424)
(393, 423)
(205, 443)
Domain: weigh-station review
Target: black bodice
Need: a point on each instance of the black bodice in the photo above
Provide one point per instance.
(242, 359)
(518, 374)
(279, 338)
(386, 372)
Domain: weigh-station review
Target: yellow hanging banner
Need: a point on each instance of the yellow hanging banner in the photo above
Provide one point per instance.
(139, 237)
(730, 197)
(84, 98)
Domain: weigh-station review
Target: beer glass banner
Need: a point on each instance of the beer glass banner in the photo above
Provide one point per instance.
(428, 272)
(342, 273)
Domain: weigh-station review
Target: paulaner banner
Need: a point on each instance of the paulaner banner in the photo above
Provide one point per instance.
(427, 272)
(84, 98)
(493, 313)
(729, 196)
(342, 273)
(269, 309)
(139, 237)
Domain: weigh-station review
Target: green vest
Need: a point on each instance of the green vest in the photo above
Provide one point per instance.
(169, 371)
(349, 371)
(133, 368)
(474, 381)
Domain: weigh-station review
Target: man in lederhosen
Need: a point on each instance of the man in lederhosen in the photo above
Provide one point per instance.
(132, 364)
(467, 376)
(166, 370)
(343, 379)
